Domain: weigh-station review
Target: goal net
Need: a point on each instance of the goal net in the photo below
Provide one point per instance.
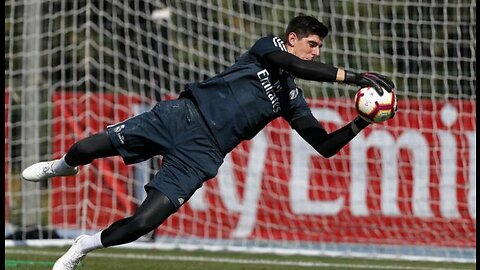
(405, 188)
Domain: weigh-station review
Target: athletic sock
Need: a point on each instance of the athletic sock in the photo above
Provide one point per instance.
(61, 166)
(90, 243)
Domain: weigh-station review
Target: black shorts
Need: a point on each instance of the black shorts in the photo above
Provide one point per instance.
(175, 130)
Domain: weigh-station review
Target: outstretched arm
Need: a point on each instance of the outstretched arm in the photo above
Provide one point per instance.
(327, 144)
(305, 69)
(321, 72)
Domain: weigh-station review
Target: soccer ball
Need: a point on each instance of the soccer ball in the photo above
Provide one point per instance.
(375, 108)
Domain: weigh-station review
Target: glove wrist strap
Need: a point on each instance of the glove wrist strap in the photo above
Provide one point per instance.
(350, 77)
(358, 124)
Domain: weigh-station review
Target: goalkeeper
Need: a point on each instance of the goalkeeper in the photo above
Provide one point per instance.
(210, 118)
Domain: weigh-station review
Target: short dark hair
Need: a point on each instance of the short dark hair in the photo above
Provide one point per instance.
(304, 26)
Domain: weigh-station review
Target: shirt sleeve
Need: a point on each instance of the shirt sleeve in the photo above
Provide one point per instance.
(266, 45)
(326, 144)
(304, 69)
(274, 51)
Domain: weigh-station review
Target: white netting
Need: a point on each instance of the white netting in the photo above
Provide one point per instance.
(404, 188)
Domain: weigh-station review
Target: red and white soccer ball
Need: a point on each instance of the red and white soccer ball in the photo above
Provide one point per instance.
(375, 108)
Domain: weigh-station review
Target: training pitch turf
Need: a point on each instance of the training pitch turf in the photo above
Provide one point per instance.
(121, 258)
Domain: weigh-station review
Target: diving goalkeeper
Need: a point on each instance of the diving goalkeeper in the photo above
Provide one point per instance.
(210, 118)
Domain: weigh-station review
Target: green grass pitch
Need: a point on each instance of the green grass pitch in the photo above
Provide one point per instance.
(32, 258)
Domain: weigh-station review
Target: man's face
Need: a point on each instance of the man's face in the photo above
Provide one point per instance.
(307, 48)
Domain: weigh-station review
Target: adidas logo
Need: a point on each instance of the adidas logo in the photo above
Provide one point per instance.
(119, 128)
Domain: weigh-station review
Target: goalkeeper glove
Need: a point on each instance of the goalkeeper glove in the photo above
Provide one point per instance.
(375, 80)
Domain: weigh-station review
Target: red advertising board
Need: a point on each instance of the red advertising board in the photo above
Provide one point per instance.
(409, 181)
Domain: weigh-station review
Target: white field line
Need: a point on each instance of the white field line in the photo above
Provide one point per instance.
(226, 260)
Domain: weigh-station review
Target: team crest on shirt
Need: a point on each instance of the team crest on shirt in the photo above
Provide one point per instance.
(293, 93)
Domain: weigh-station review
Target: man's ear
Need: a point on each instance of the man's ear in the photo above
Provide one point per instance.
(292, 38)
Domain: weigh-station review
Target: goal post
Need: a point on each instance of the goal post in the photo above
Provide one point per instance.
(402, 189)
